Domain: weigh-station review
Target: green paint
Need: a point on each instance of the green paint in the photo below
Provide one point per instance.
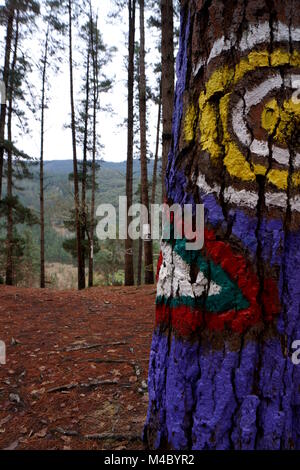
(229, 298)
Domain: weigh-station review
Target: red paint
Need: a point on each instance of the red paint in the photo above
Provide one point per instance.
(159, 263)
(186, 320)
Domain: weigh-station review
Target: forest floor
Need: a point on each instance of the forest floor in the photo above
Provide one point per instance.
(76, 371)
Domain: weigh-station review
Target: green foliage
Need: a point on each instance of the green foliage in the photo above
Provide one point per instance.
(25, 258)
(59, 202)
(109, 262)
(21, 214)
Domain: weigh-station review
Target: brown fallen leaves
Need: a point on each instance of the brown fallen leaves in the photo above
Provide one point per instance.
(76, 367)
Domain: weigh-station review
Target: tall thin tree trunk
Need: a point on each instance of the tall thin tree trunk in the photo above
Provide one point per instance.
(94, 48)
(129, 269)
(80, 259)
(140, 253)
(42, 208)
(9, 236)
(148, 256)
(167, 59)
(154, 176)
(8, 41)
(84, 215)
(92, 216)
(224, 369)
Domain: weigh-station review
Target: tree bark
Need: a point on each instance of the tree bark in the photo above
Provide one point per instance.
(167, 63)
(10, 222)
(154, 176)
(42, 208)
(223, 370)
(94, 47)
(80, 259)
(140, 255)
(9, 34)
(148, 256)
(129, 269)
(84, 211)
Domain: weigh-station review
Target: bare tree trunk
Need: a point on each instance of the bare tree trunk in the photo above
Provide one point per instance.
(140, 263)
(9, 34)
(148, 256)
(224, 367)
(42, 208)
(9, 236)
(92, 220)
(140, 255)
(154, 176)
(129, 269)
(84, 215)
(167, 60)
(94, 48)
(80, 259)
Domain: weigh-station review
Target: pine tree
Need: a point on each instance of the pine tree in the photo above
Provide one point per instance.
(50, 47)
(129, 268)
(79, 246)
(16, 167)
(96, 55)
(149, 278)
(7, 13)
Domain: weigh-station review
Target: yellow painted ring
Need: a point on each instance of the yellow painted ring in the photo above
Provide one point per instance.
(222, 81)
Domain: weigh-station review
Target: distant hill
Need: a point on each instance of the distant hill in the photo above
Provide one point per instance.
(59, 200)
(63, 167)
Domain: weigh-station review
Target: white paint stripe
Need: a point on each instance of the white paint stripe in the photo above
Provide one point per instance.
(295, 203)
(258, 93)
(259, 147)
(276, 200)
(219, 46)
(292, 81)
(175, 280)
(206, 188)
(281, 32)
(281, 156)
(247, 198)
(242, 108)
(164, 285)
(243, 197)
(239, 124)
(295, 34)
(255, 35)
(198, 67)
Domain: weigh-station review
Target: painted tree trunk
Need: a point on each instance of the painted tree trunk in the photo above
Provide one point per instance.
(167, 82)
(223, 373)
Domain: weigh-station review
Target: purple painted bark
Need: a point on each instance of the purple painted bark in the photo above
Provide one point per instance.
(225, 379)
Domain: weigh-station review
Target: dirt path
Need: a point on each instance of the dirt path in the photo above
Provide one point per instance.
(76, 367)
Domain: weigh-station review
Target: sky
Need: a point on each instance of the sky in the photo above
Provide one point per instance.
(113, 135)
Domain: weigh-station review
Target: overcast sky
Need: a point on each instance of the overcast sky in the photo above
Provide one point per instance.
(58, 143)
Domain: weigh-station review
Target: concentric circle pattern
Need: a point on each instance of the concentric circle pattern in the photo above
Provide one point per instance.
(248, 117)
